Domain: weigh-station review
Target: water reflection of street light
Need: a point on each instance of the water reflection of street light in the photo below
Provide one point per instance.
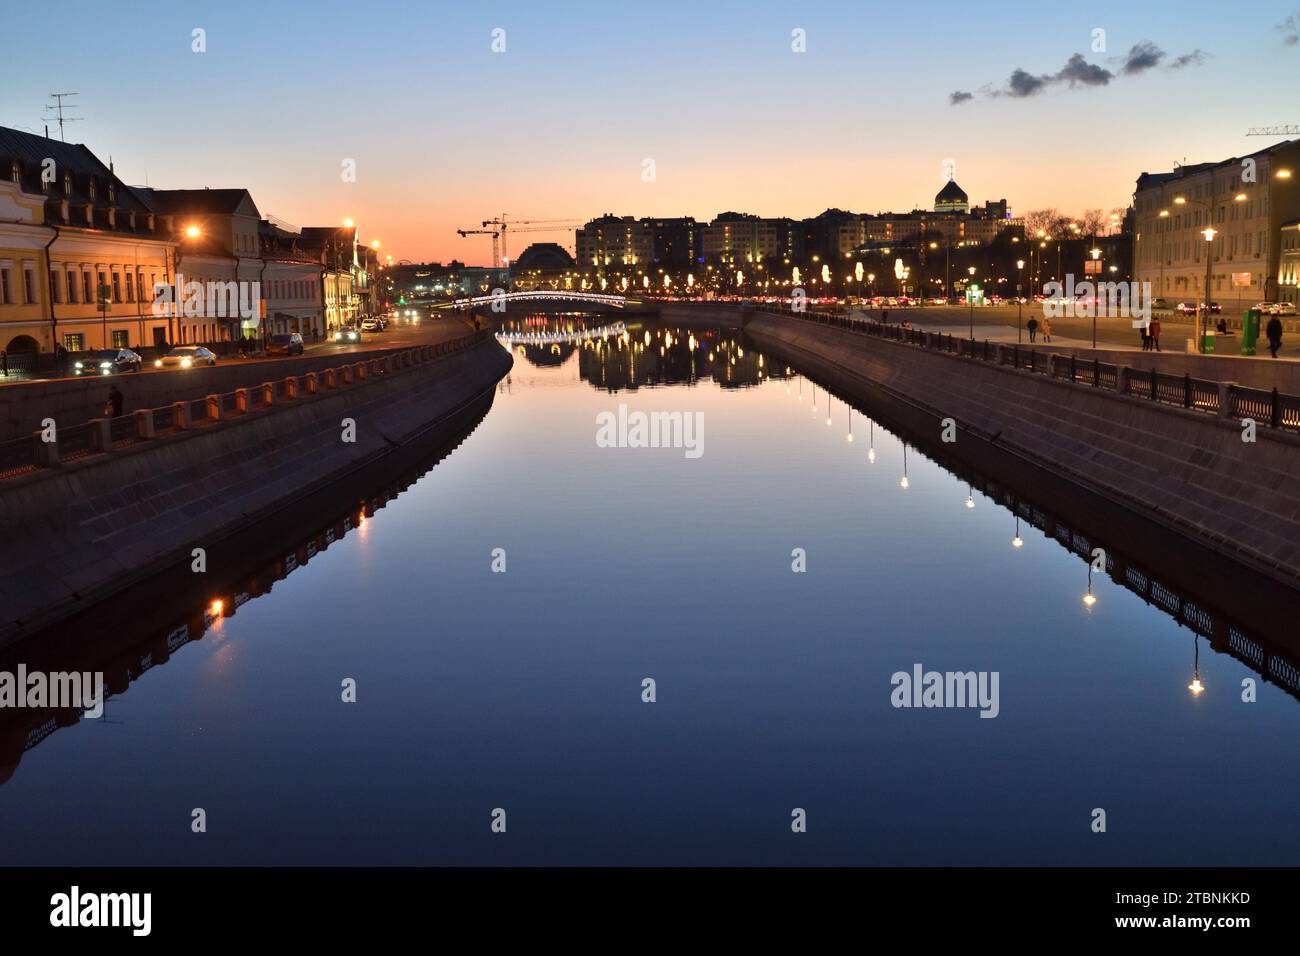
(970, 497)
(1196, 687)
(1017, 541)
(871, 440)
(1089, 599)
(904, 482)
(971, 270)
(849, 437)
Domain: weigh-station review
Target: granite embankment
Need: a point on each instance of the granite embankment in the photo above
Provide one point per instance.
(1184, 471)
(79, 532)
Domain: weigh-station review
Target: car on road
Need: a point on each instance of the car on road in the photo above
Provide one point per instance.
(1276, 308)
(1215, 308)
(107, 362)
(285, 343)
(1186, 308)
(347, 334)
(1161, 304)
(186, 356)
(370, 325)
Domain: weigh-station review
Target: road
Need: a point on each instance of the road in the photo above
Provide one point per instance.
(427, 332)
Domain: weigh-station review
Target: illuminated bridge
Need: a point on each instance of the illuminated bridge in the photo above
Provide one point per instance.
(544, 295)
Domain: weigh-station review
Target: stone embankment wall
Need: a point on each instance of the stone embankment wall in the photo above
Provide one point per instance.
(76, 533)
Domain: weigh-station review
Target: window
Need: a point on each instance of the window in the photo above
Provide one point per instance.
(6, 294)
(87, 288)
(139, 282)
(74, 341)
(72, 287)
(117, 286)
(90, 188)
(56, 286)
(16, 173)
(130, 288)
(29, 287)
(120, 339)
(67, 184)
(102, 291)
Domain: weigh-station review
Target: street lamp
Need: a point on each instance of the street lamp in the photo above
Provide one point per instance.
(1096, 299)
(1209, 232)
(971, 298)
(1020, 265)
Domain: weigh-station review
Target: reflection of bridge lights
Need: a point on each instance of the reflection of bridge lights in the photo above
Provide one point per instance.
(1089, 599)
(1196, 687)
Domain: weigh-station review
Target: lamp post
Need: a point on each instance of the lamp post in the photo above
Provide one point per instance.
(1096, 299)
(1209, 232)
(971, 299)
(1020, 265)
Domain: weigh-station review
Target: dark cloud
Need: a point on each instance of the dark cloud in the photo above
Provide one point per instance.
(1290, 29)
(1195, 58)
(1079, 72)
(1142, 57)
(959, 96)
(1022, 84)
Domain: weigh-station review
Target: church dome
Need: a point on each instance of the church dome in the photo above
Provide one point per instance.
(951, 198)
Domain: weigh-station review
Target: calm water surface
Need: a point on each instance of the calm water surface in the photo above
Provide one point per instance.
(522, 690)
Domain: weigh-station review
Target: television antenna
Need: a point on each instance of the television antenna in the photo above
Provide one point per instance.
(58, 110)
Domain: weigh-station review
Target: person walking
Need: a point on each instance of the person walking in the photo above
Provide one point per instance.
(1154, 334)
(1145, 329)
(1274, 332)
(1032, 327)
(115, 400)
(1047, 329)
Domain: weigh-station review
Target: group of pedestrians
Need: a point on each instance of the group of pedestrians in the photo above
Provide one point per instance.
(1034, 327)
(1151, 336)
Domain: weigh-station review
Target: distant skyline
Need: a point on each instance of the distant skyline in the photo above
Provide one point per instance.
(446, 133)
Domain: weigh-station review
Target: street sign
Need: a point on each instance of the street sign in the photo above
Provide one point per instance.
(1241, 280)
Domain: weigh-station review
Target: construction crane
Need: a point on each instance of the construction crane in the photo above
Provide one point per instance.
(496, 242)
(1273, 131)
(498, 236)
(505, 225)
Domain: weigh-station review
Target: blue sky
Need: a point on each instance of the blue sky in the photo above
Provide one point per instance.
(446, 133)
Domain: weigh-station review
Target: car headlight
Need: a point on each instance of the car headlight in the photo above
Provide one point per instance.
(157, 363)
(186, 363)
(79, 365)
(105, 364)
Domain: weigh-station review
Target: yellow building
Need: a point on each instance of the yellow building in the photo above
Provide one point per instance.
(79, 253)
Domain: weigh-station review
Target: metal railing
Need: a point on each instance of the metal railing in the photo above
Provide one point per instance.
(47, 448)
(1223, 399)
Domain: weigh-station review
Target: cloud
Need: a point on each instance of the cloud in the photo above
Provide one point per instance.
(1290, 29)
(1142, 57)
(1195, 58)
(1078, 72)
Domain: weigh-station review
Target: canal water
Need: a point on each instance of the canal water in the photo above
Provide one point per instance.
(480, 690)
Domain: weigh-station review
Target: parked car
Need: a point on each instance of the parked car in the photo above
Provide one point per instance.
(285, 343)
(347, 334)
(186, 356)
(107, 362)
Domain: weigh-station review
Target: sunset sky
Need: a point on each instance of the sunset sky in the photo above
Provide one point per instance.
(446, 133)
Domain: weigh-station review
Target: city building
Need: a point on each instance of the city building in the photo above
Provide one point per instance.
(675, 242)
(291, 283)
(1246, 200)
(1288, 273)
(335, 248)
(80, 255)
(614, 241)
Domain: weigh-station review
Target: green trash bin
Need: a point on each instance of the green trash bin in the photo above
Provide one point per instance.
(1249, 331)
(1207, 343)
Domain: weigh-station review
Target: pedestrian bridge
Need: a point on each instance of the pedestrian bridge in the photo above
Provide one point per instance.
(543, 295)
